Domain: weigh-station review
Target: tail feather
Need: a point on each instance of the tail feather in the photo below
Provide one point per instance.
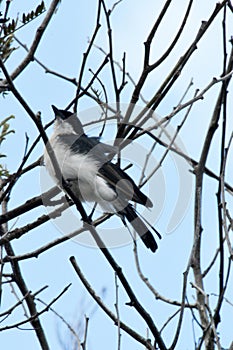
(140, 228)
(149, 241)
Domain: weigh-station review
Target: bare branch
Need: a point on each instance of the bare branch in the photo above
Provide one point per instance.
(71, 329)
(91, 291)
(19, 280)
(39, 34)
(35, 316)
(85, 56)
(118, 315)
(85, 333)
(171, 78)
(156, 294)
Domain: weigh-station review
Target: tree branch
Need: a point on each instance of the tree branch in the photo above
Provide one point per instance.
(39, 33)
(98, 300)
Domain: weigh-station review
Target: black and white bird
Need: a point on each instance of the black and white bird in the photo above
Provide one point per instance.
(85, 164)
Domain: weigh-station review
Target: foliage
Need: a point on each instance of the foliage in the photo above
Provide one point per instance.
(10, 26)
(6, 47)
(4, 131)
(26, 18)
(33, 14)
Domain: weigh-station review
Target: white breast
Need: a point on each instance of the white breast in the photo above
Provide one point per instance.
(82, 173)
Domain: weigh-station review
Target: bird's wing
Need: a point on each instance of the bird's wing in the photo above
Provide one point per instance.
(116, 178)
(83, 144)
(122, 183)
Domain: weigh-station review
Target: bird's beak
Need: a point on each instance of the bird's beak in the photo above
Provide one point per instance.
(57, 112)
(55, 109)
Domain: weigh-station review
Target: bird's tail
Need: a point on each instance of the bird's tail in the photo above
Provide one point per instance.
(140, 228)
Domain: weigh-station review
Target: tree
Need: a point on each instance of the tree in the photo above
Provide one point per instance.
(199, 296)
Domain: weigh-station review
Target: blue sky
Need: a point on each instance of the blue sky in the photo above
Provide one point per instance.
(61, 50)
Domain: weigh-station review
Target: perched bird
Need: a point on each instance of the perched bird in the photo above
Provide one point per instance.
(86, 165)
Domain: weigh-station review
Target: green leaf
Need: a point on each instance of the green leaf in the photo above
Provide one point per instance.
(6, 120)
(3, 171)
(4, 128)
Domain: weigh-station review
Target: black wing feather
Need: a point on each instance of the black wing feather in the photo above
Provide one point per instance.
(122, 183)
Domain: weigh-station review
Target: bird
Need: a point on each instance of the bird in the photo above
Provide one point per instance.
(87, 165)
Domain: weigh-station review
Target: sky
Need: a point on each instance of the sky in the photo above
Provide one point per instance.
(62, 50)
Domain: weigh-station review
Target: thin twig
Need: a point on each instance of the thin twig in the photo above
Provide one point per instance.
(38, 36)
(85, 55)
(170, 145)
(170, 79)
(19, 280)
(156, 294)
(223, 201)
(98, 300)
(118, 315)
(35, 316)
(71, 329)
(85, 333)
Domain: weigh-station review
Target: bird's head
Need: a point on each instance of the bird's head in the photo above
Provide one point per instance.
(67, 122)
